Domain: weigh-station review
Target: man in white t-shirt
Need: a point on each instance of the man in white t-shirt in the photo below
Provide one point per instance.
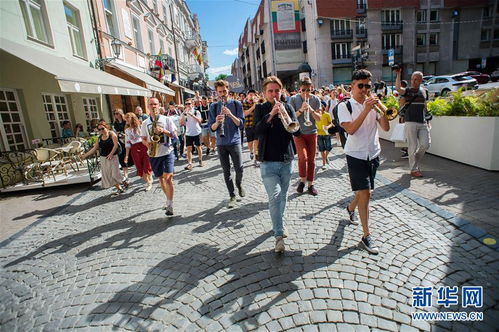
(192, 120)
(163, 159)
(362, 149)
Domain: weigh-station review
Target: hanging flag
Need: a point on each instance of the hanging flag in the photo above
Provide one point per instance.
(158, 63)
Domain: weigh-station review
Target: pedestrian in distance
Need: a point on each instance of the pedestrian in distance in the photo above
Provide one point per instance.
(307, 107)
(108, 146)
(137, 150)
(191, 119)
(119, 127)
(323, 138)
(157, 133)
(226, 118)
(249, 105)
(276, 153)
(362, 149)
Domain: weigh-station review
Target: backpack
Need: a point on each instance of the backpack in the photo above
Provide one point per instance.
(341, 131)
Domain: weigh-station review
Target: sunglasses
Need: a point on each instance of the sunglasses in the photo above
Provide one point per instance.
(188, 103)
(306, 90)
(100, 129)
(362, 86)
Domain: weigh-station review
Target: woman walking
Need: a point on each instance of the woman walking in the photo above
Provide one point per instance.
(134, 145)
(108, 146)
(119, 127)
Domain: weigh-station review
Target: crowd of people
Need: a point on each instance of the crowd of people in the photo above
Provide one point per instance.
(277, 125)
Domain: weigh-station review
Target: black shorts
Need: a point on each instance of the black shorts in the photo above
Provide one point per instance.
(192, 141)
(250, 134)
(362, 172)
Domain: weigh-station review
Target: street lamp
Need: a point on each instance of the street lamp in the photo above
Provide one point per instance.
(116, 48)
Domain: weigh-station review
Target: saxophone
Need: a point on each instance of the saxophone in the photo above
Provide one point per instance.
(155, 138)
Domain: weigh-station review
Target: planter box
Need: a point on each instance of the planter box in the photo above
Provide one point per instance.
(467, 139)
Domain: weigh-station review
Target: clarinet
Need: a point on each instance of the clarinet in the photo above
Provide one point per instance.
(222, 127)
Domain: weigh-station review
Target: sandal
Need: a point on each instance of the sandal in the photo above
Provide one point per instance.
(188, 167)
(201, 164)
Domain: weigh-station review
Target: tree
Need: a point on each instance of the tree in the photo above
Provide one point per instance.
(206, 77)
(221, 77)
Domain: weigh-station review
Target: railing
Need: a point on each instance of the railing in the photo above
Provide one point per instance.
(361, 8)
(392, 26)
(342, 34)
(361, 33)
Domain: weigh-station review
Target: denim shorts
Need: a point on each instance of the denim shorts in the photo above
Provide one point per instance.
(163, 164)
(324, 143)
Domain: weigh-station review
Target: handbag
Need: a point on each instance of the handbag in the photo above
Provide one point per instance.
(398, 133)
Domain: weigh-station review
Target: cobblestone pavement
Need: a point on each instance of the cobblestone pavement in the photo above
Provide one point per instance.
(117, 263)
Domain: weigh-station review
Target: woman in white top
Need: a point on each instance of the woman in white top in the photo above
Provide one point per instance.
(133, 144)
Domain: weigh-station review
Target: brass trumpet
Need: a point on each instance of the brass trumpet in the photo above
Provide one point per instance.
(388, 113)
(290, 125)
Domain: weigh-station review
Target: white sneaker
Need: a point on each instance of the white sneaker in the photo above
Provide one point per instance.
(324, 167)
(285, 232)
(148, 186)
(279, 244)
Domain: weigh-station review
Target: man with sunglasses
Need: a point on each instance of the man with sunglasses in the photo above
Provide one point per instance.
(362, 149)
(306, 141)
(162, 163)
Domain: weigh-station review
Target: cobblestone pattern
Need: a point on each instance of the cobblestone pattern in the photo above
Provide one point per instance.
(107, 263)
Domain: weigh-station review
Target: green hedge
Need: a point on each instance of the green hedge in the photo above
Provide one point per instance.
(486, 104)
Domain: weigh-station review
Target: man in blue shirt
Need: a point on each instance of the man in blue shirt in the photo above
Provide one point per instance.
(226, 118)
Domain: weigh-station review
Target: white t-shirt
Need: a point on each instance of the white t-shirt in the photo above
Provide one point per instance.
(132, 136)
(165, 146)
(332, 103)
(192, 127)
(364, 144)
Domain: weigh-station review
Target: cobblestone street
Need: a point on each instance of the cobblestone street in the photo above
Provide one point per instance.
(118, 263)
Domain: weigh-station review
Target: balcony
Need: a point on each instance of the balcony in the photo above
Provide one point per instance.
(341, 34)
(392, 26)
(361, 33)
(191, 41)
(342, 59)
(361, 8)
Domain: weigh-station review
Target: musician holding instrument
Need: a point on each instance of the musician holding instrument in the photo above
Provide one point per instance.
(192, 119)
(307, 107)
(226, 118)
(157, 133)
(362, 149)
(274, 124)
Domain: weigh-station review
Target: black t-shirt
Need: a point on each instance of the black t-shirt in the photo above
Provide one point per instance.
(416, 110)
(204, 111)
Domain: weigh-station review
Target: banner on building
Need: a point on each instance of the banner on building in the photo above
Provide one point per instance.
(286, 24)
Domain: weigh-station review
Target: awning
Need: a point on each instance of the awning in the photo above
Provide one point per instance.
(150, 82)
(72, 76)
(184, 88)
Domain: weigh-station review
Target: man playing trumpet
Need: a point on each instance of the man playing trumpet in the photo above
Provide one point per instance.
(307, 108)
(362, 149)
(274, 122)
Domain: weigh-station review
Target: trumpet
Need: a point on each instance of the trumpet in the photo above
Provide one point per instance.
(306, 116)
(388, 113)
(290, 125)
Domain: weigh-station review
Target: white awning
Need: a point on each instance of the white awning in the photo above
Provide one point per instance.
(184, 88)
(150, 82)
(72, 76)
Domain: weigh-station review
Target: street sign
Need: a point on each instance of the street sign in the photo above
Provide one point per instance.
(391, 57)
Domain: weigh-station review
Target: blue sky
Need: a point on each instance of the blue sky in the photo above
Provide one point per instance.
(222, 22)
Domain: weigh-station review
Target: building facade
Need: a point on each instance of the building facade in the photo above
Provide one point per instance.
(333, 37)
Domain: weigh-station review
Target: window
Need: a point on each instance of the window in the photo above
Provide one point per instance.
(391, 41)
(110, 20)
(35, 19)
(12, 132)
(265, 74)
(305, 50)
(390, 16)
(434, 15)
(421, 39)
(496, 34)
(136, 33)
(56, 111)
(340, 26)
(421, 16)
(361, 4)
(485, 35)
(341, 50)
(434, 38)
(155, 6)
(303, 26)
(165, 15)
(74, 29)
(91, 112)
(486, 12)
(262, 46)
(162, 46)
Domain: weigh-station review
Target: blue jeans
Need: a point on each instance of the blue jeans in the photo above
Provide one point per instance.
(276, 176)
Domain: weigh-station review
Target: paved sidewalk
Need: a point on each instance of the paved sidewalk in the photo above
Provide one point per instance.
(109, 263)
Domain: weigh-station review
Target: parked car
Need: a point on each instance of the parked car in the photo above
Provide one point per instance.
(481, 78)
(442, 85)
(427, 77)
(494, 77)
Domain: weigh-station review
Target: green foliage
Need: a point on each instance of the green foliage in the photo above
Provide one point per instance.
(486, 104)
(92, 140)
(221, 77)
(391, 102)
